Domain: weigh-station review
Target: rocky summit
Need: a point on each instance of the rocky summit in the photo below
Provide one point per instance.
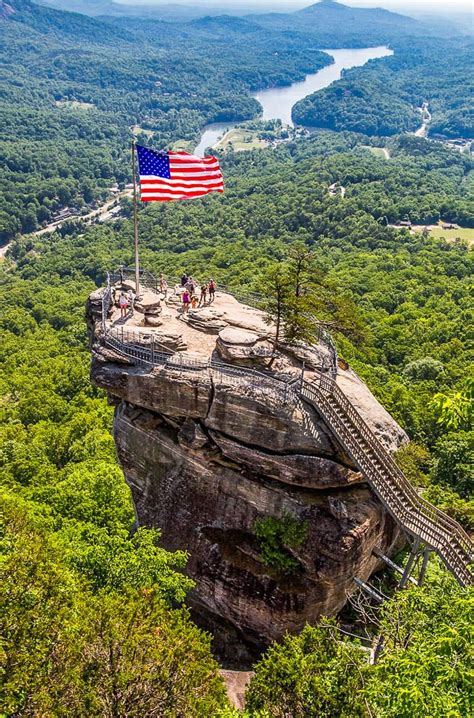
(276, 519)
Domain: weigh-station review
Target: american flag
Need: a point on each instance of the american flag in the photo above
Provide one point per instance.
(176, 175)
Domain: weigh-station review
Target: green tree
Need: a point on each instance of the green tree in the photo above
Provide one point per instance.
(426, 666)
(455, 410)
(453, 462)
(317, 674)
(140, 659)
(274, 287)
(68, 651)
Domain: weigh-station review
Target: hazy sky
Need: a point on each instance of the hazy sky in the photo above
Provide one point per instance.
(403, 6)
(429, 6)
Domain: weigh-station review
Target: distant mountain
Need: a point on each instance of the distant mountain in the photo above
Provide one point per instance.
(48, 21)
(331, 23)
(336, 25)
(171, 12)
(239, 25)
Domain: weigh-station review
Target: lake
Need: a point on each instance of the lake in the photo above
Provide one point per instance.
(277, 102)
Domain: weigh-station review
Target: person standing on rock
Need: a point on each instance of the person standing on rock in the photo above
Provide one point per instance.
(162, 281)
(186, 299)
(212, 290)
(164, 288)
(123, 304)
(202, 298)
(184, 280)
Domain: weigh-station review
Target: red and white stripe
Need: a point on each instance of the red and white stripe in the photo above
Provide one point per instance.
(190, 177)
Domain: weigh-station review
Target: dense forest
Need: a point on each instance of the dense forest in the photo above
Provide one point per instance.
(93, 619)
(73, 88)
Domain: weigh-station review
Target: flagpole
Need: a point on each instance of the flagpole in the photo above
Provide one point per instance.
(135, 223)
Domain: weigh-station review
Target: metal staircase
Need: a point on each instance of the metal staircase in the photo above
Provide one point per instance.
(422, 522)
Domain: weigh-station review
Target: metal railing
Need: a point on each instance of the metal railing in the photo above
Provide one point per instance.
(420, 519)
(146, 351)
(149, 280)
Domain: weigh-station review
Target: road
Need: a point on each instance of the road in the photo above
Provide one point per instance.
(426, 119)
(101, 212)
(98, 213)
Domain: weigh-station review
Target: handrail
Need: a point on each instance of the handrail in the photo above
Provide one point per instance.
(417, 516)
(388, 461)
(383, 455)
(135, 346)
(147, 279)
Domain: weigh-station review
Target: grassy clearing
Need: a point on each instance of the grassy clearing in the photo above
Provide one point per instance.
(377, 151)
(466, 233)
(183, 146)
(137, 130)
(450, 235)
(241, 139)
(74, 104)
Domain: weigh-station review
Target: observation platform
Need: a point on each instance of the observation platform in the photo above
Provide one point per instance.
(223, 329)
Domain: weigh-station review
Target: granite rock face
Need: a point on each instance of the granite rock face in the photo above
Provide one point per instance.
(207, 502)
(209, 454)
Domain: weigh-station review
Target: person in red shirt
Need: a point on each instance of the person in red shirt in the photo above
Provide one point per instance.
(212, 290)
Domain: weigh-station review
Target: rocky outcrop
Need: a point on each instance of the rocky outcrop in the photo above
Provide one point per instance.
(243, 347)
(208, 504)
(206, 319)
(211, 454)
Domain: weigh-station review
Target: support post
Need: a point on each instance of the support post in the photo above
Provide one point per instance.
(426, 556)
(302, 377)
(135, 222)
(152, 345)
(409, 566)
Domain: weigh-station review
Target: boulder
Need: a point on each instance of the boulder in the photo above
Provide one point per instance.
(209, 452)
(206, 319)
(191, 435)
(164, 391)
(317, 356)
(374, 414)
(314, 472)
(243, 347)
(210, 511)
(169, 340)
(148, 303)
(262, 413)
(153, 321)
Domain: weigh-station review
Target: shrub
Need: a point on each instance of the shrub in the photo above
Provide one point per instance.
(276, 537)
(423, 369)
